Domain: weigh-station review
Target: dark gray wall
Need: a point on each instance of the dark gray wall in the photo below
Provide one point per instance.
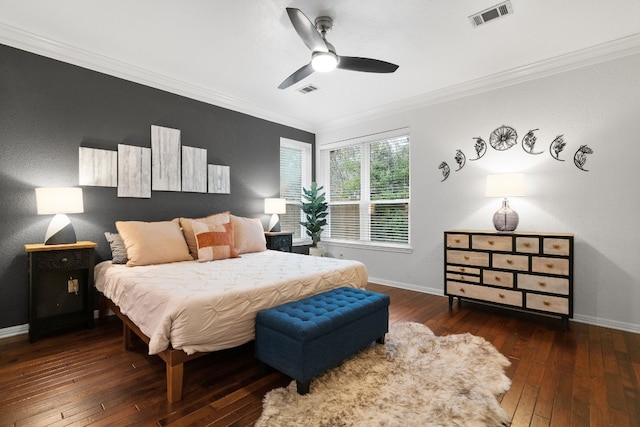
(49, 108)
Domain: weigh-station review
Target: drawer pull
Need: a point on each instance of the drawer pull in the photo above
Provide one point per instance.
(549, 265)
(462, 277)
(462, 269)
(527, 244)
(509, 261)
(542, 284)
(466, 258)
(457, 240)
(556, 246)
(64, 259)
(490, 242)
(547, 303)
(501, 296)
(462, 290)
(497, 278)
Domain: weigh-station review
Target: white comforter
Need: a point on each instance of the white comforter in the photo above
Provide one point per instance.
(199, 307)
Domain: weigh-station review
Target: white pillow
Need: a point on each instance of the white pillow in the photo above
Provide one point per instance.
(153, 242)
(248, 234)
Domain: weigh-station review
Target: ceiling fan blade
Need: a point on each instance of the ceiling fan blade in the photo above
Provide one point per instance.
(307, 30)
(367, 65)
(294, 78)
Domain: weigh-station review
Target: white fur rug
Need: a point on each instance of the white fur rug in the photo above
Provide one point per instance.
(415, 379)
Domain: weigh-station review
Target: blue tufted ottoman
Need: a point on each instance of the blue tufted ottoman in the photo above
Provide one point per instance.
(304, 338)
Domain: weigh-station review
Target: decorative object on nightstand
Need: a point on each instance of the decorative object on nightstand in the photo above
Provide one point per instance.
(275, 206)
(279, 240)
(59, 201)
(526, 271)
(505, 185)
(60, 286)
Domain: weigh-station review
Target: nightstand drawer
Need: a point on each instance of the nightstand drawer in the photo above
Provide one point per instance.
(468, 258)
(548, 303)
(62, 260)
(501, 296)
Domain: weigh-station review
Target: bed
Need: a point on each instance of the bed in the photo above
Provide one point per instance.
(186, 309)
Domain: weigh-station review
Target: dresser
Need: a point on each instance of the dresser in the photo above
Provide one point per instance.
(60, 287)
(532, 272)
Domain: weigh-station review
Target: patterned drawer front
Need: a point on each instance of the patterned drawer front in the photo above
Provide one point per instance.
(558, 266)
(511, 262)
(497, 278)
(463, 277)
(61, 260)
(528, 245)
(553, 285)
(555, 246)
(458, 241)
(465, 270)
(494, 243)
(468, 258)
(548, 303)
(501, 296)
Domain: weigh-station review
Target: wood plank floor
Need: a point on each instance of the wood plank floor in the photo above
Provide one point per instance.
(587, 376)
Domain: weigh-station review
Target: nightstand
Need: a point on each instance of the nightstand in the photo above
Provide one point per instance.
(279, 240)
(60, 287)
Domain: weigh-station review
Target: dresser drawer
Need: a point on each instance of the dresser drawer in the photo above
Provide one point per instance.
(463, 277)
(493, 243)
(468, 258)
(458, 241)
(552, 285)
(558, 266)
(497, 278)
(548, 303)
(502, 296)
(511, 262)
(528, 245)
(462, 269)
(553, 246)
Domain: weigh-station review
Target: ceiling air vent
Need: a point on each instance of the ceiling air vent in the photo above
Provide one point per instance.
(307, 89)
(491, 14)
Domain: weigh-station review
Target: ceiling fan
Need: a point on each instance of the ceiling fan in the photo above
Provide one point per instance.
(323, 54)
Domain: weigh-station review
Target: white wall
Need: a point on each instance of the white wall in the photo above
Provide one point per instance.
(599, 106)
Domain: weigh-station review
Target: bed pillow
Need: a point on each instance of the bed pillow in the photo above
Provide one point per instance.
(153, 242)
(187, 229)
(248, 234)
(118, 250)
(215, 241)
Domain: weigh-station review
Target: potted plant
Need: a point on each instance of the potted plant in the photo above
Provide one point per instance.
(315, 206)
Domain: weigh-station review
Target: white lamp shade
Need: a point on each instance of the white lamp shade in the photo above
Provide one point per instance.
(505, 185)
(275, 206)
(59, 200)
(323, 62)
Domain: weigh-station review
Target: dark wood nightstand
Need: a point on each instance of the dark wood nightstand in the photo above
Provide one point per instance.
(60, 287)
(279, 240)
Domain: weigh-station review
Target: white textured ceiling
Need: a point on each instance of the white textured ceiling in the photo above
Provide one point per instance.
(236, 53)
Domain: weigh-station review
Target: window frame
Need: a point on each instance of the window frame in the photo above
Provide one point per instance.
(365, 200)
(306, 150)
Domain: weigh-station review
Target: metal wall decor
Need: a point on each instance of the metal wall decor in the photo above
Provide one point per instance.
(505, 137)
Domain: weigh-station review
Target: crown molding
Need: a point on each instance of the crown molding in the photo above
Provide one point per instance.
(30, 42)
(618, 48)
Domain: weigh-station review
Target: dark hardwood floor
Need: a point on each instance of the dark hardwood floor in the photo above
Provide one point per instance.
(587, 376)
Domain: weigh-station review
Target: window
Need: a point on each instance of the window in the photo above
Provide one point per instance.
(367, 186)
(295, 173)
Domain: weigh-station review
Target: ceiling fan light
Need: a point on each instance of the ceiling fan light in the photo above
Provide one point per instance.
(324, 61)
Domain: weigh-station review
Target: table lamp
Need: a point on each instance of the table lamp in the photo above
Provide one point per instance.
(59, 201)
(275, 206)
(505, 185)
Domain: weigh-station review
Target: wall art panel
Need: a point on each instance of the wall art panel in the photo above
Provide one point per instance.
(165, 160)
(134, 171)
(194, 169)
(219, 179)
(97, 167)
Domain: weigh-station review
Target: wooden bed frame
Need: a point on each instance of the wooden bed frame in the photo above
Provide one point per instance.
(174, 359)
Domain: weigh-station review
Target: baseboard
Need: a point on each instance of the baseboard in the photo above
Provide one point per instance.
(13, 331)
(579, 318)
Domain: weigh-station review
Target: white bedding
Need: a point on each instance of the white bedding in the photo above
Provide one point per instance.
(209, 306)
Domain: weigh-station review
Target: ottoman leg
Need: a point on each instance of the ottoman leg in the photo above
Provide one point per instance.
(380, 340)
(303, 387)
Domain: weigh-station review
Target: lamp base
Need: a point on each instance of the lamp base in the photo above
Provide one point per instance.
(60, 231)
(505, 219)
(274, 223)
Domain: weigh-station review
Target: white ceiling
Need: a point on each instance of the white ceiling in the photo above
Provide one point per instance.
(236, 53)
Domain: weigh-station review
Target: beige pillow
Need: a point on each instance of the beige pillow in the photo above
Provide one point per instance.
(214, 241)
(187, 229)
(153, 242)
(248, 234)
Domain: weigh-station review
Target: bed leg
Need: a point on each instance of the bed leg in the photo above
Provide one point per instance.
(126, 336)
(174, 382)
